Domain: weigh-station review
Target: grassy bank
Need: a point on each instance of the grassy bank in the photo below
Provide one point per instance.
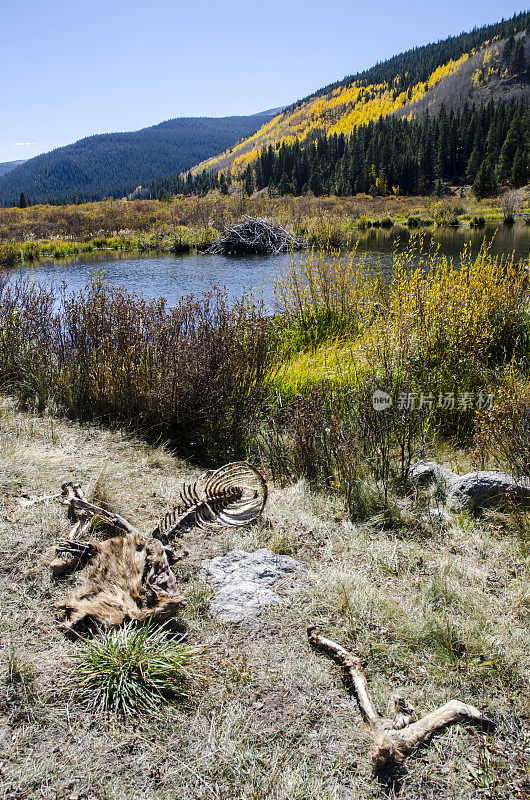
(438, 613)
(192, 223)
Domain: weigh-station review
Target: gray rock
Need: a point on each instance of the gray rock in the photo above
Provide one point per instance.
(487, 489)
(424, 472)
(244, 582)
(475, 490)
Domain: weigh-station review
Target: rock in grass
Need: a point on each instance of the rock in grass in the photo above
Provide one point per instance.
(475, 490)
(487, 489)
(245, 582)
(430, 471)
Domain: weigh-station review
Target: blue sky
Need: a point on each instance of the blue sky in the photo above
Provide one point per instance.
(71, 68)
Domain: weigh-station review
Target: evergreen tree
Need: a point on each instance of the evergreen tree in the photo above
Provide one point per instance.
(485, 184)
(508, 49)
(398, 155)
(22, 203)
(518, 174)
(315, 182)
(508, 150)
(223, 186)
(248, 184)
(518, 61)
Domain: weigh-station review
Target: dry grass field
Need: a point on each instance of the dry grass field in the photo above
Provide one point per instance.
(437, 613)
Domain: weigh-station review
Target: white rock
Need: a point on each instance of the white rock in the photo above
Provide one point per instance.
(244, 582)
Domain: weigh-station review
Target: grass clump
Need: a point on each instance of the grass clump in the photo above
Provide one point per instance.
(132, 670)
(324, 296)
(19, 678)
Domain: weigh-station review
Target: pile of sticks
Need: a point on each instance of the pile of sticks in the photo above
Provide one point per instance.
(255, 235)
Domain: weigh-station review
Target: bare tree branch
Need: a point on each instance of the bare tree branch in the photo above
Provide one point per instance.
(394, 739)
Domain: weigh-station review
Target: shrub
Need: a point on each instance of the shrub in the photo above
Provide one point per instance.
(445, 327)
(363, 222)
(458, 323)
(446, 214)
(330, 234)
(453, 314)
(324, 296)
(337, 440)
(192, 374)
(503, 432)
(9, 254)
(132, 670)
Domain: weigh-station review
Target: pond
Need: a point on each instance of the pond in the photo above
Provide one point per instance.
(172, 276)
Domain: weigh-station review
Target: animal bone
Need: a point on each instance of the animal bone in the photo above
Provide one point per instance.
(26, 502)
(129, 576)
(74, 497)
(394, 739)
(232, 495)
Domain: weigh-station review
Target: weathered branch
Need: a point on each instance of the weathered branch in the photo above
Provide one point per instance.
(393, 739)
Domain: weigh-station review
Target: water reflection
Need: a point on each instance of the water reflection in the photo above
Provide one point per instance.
(173, 276)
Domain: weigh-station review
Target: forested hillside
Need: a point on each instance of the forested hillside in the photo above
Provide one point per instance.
(115, 163)
(7, 166)
(488, 147)
(488, 63)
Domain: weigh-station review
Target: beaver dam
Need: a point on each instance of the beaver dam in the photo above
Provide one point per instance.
(255, 235)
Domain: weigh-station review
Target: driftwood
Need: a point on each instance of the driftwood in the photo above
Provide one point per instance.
(255, 235)
(394, 739)
(129, 576)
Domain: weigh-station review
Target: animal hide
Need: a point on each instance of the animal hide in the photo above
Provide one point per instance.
(128, 577)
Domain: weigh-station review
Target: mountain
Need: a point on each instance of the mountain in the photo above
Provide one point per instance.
(470, 68)
(7, 166)
(114, 164)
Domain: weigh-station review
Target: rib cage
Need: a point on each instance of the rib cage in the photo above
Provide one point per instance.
(231, 495)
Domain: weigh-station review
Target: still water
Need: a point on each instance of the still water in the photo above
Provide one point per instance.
(172, 276)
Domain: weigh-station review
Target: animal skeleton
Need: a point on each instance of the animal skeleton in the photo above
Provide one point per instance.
(129, 576)
(232, 495)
